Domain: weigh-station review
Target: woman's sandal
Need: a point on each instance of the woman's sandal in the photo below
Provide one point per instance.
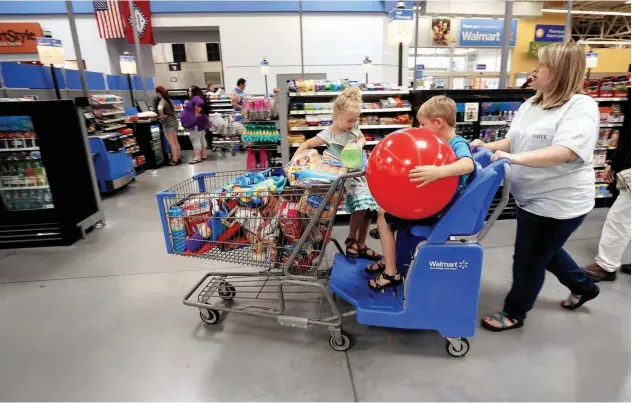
(392, 282)
(500, 318)
(351, 245)
(375, 268)
(364, 253)
(374, 233)
(581, 300)
(193, 162)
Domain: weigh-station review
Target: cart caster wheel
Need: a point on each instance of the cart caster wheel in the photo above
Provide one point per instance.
(462, 347)
(233, 153)
(347, 342)
(226, 291)
(210, 317)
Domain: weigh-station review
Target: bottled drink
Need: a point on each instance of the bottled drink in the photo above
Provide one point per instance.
(178, 233)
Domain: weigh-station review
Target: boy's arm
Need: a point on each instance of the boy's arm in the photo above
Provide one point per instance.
(430, 173)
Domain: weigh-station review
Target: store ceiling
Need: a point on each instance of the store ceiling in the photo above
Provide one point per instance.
(598, 27)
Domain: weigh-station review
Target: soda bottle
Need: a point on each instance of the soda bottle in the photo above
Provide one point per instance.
(178, 233)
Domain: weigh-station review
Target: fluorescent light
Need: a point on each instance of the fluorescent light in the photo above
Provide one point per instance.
(591, 42)
(560, 11)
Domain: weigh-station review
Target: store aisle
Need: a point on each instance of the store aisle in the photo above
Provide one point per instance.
(103, 320)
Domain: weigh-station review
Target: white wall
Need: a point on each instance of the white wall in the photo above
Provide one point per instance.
(93, 48)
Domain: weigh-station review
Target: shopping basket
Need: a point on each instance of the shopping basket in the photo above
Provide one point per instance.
(280, 230)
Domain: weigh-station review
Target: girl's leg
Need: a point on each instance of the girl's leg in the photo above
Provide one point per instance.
(176, 146)
(173, 142)
(363, 231)
(387, 240)
(357, 217)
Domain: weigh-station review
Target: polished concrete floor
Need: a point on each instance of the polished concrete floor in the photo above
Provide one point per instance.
(103, 320)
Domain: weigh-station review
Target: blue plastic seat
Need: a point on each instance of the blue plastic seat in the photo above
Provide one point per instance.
(441, 263)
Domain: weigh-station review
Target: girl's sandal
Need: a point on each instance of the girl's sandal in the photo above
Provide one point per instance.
(364, 253)
(393, 282)
(500, 318)
(375, 268)
(352, 247)
(571, 305)
(374, 233)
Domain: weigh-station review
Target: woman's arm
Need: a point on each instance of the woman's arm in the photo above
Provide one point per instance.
(542, 158)
(197, 111)
(311, 143)
(500, 145)
(161, 108)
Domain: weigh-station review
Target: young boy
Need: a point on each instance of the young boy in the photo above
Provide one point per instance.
(439, 115)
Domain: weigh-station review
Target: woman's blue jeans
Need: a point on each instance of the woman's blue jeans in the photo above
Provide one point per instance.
(539, 242)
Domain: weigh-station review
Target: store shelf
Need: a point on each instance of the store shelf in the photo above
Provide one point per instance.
(24, 188)
(110, 113)
(107, 103)
(130, 145)
(605, 148)
(329, 111)
(365, 127)
(372, 142)
(126, 136)
(465, 123)
(108, 121)
(221, 110)
(226, 142)
(116, 127)
(335, 93)
(224, 100)
(221, 104)
(610, 99)
(599, 166)
(19, 149)
(495, 123)
(611, 124)
(603, 196)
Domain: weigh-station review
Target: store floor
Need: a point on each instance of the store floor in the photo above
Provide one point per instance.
(103, 320)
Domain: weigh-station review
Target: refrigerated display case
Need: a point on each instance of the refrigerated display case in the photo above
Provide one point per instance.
(47, 188)
(149, 139)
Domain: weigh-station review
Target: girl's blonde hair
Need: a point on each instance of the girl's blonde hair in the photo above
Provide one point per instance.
(350, 99)
(567, 62)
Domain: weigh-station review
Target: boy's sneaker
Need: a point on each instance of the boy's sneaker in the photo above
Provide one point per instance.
(597, 274)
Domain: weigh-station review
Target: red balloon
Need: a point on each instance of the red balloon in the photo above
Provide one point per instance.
(389, 166)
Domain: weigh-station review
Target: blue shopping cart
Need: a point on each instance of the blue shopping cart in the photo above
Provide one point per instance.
(442, 263)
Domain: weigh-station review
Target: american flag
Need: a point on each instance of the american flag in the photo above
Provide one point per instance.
(109, 19)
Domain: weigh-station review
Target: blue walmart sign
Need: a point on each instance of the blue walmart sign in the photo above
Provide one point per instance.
(483, 32)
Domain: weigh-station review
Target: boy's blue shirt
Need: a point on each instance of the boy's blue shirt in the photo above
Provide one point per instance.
(462, 149)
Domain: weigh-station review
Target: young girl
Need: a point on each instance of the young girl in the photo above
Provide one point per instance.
(358, 200)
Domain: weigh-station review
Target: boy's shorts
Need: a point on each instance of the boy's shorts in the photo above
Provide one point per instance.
(395, 223)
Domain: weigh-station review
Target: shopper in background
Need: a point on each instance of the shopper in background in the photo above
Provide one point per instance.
(237, 97)
(167, 114)
(213, 92)
(550, 144)
(194, 118)
(615, 236)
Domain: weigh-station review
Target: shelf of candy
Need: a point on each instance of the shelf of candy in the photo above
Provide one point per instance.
(258, 109)
(139, 160)
(16, 134)
(105, 99)
(611, 116)
(613, 88)
(126, 133)
(466, 131)
(390, 104)
(495, 113)
(599, 158)
(608, 139)
(298, 88)
(599, 175)
(257, 133)
(601, 191)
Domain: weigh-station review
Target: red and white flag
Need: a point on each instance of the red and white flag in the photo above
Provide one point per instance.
(109, 19)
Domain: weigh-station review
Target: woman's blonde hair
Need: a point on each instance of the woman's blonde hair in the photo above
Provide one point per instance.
(567, 62)
(351, 98)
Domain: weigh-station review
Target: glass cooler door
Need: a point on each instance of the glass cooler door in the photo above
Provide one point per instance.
(23, 181)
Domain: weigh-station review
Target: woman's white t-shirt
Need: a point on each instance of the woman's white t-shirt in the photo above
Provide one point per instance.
(566, 190)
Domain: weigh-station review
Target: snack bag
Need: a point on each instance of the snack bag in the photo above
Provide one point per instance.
(290, 221)
(309, 204)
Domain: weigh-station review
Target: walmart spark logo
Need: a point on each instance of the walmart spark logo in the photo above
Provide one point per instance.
(441, 265)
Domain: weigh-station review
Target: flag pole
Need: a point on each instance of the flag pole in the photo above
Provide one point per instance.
(139, 58)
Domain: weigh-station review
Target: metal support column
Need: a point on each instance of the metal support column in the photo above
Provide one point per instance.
(568, 28)
(421, 10)
(300, 24)
(504, 58)
(75, 43)
(139, 58)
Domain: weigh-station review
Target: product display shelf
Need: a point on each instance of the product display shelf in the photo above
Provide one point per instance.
(391, 111)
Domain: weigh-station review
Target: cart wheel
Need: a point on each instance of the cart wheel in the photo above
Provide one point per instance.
(233, 153)
(347, 342)
(211, 317)
(463, 346)
(226, 291)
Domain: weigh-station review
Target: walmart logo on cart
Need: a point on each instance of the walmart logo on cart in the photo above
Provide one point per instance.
(440, 265)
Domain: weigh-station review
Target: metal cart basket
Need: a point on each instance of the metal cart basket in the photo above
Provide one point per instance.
(283, 233)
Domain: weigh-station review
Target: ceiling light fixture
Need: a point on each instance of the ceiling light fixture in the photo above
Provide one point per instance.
(585, 12)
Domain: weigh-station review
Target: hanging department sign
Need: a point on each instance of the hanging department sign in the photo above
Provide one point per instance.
(485, 32)
(19, 37)
(549, 33)
(400, 26)
(51, 51)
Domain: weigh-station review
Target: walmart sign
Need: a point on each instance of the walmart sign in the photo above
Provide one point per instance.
(485, 32)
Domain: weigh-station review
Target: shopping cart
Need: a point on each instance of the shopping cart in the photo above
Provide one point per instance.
(283, 233)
